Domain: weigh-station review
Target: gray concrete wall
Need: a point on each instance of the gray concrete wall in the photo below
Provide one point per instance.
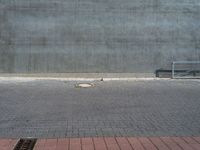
(133, 36)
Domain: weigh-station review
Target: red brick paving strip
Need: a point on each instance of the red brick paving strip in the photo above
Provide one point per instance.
(7, 144)
(192, 142)
(50, 144)
(99, 144)
(75, 144)
(87, 144)
(197, 139)
(135, 143)
(40, 144)
(182, 143)
(63, 144)
(170, 143)
(158, 143)
(111, 143)
(123, 143)
(147, 143)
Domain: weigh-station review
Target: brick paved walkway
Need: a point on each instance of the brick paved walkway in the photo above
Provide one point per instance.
(111, 143)
(56, 109)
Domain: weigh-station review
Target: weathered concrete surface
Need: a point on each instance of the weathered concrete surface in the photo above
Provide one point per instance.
(60, 36)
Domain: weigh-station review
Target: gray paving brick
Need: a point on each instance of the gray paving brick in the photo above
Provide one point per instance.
(48, 108)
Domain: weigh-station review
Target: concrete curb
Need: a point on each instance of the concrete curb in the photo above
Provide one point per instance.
(30, 79)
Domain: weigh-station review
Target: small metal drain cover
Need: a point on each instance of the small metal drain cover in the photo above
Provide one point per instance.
(84, 85)
(25, 144)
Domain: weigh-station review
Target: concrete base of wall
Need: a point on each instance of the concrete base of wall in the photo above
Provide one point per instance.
(82, 75)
